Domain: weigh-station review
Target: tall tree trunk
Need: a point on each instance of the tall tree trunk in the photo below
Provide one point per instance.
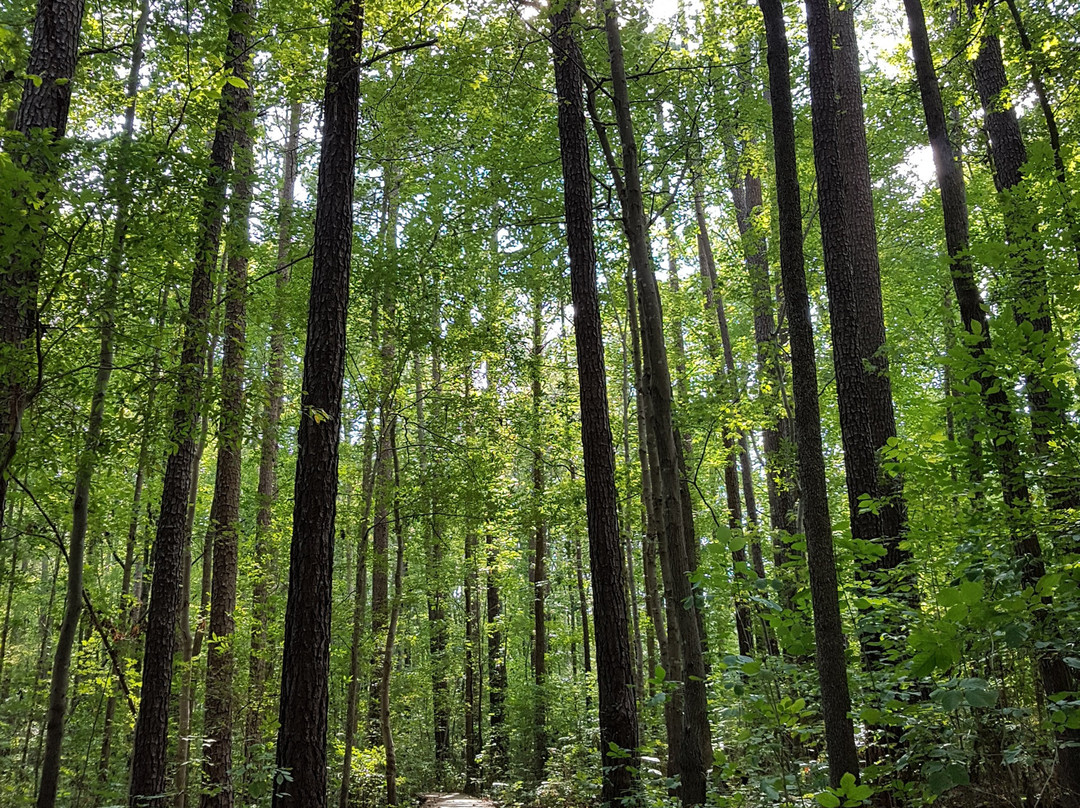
(225, 507)
(391, 633)
(470, 583)
(973, 312)
(496, 656)
(614, 661)
(437, 636)
(87, 462)
(852, 280)
(385, 488)
(301, 747)
(367, 486)
(40, 124)
(1029, 295)
(260, 663)
(657, 375)
(866, 274)
(539, 574)
(660, 610)
(830, 658)
(191, 643)
(151, 729)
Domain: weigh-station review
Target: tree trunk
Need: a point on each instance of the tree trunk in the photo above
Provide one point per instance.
(301, 747)
(259, 665)
(851, 274)
(661, 612)
(498, 741)
(367, 485)
(437, 636)
(472, 635)
(657, 375)
(615, 668)
(828, 629)
(41, 123)
(391, 632)
(151, 729)
(539, 574)
(87, 462)
(1029, 293)
(225, 507)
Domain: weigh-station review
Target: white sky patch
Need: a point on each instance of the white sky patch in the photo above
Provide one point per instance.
(663, 9)
(919, 165)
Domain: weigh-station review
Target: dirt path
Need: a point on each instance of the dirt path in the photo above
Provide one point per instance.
(453, 801)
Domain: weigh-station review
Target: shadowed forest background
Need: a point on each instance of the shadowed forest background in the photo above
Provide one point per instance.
(572, 403)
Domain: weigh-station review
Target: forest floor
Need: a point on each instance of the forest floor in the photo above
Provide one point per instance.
(453, 801)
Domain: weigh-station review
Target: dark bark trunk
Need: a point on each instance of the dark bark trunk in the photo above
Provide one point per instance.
(615, 670)
(657, 377)
(40, 125)
(472, 657)
(391, 634)
(305, 670)
(1002, 433)
(498, 741)
(875, 503)
(539, 549)
(151, 728)
(828, 628)
(658, 605)
(1029, 294)
(225, 507)
(367, 485)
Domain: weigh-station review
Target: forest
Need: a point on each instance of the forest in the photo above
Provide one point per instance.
(560, 403)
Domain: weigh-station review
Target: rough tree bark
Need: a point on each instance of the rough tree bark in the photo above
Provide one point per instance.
(828, 628)
(225, 507)
(151, 729)
(40, 124)
(695, 741)
(301, 747)
(614, 661)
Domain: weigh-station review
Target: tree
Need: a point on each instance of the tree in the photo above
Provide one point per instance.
(615, 674)
(301, 746)
(173, 529)
(828, 630)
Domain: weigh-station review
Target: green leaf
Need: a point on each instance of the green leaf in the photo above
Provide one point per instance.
(236, 81)
(827, 799)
